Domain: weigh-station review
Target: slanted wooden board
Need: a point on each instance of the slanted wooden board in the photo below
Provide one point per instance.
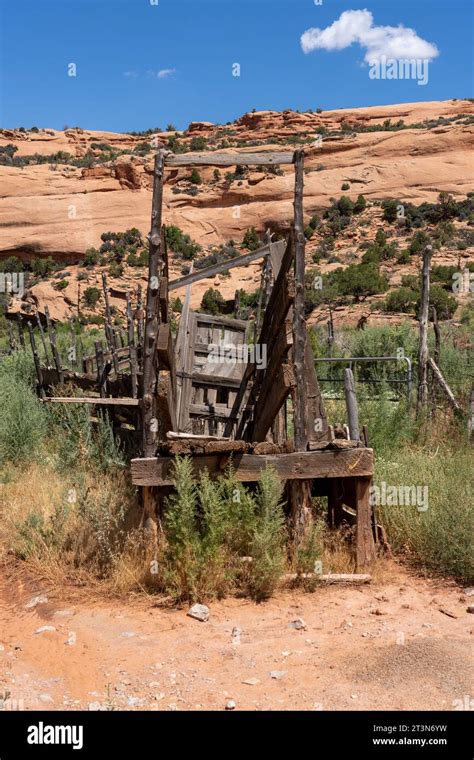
(240, 261)
(302, 465)
(210, 158)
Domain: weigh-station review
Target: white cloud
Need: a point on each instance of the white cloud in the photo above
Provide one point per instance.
(130, 74)
(165, 73)
(358, 26)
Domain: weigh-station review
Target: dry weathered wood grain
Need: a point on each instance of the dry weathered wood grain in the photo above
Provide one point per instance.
(157, 471)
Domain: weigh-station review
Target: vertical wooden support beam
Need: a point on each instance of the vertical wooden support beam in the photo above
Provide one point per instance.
(39, 374)
(132, 348)
(181, 342)
(11, 337)
(152, 320)
(139, 316)
(21, 336)
(43, 340)
(423, 322)
(54, 348)
(150, 374)
(365, 550)
(73, 347)
(299, 490)
(351, 405)
(335, 511)
(299, 323)
(109, 330)
(437, 332)
(99, 355)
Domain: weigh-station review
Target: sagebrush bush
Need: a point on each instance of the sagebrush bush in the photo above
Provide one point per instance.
(221, 537)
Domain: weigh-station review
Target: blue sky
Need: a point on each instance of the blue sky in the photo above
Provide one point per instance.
(120, 47)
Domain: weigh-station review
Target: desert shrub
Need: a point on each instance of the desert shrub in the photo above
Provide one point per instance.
(42, 267)
(91, 257)
(140, 260)
(358, 280)
(212, 302)
(345, 186)
(61, 284)
(444, 304)
(23, 422)
(195, 177)
(115, 269)
(443, 275)
(12, 264)
(360, 204)
(390, 210)
(251, 239)
(211, 525)
(91, 297)
(198, 144)
(437, 539)
(402, 299)
(180, 243)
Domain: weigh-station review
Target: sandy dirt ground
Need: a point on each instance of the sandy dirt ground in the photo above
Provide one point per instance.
(404, 643)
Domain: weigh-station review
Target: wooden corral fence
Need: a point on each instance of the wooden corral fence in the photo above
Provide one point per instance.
(224, 389)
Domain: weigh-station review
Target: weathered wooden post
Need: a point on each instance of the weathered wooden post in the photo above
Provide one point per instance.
(54, 348)
(152, 320)
(300, 490)
(43, 340)
(131, 347)
(423, 321)
(351, 405)
(39, 374)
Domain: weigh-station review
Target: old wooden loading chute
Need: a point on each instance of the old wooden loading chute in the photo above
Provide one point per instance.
(224, 388)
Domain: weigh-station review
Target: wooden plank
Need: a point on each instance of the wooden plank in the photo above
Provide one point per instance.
(443, 384)
(239, 261)
(210, 319)
(299, 323)
(210, 158)
(52, 339)
(92, 400)
(331, 579)
(164, 299)
(198, 378)
(164, 346)
(351, 405)
(185, 376)
(215, 410)
(365, 551)
(157, 471)
(39, 374)
(317, 426)
(132, 347)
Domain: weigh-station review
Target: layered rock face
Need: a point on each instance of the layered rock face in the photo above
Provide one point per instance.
(60, 210)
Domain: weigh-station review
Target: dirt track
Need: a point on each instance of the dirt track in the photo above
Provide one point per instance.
(385, 646)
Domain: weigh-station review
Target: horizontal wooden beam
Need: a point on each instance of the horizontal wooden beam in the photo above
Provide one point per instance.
(223, 266)
(210, 158)
(214, 410)
(91, 400)
(303, 465)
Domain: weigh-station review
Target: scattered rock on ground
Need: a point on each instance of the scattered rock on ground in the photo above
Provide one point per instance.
(199, 612)
(41, 599)
(45, 629)
(298, 624)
